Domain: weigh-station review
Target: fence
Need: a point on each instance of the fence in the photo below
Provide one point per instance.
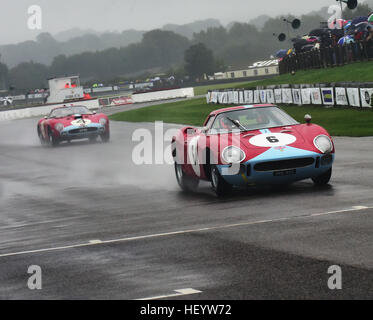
(337, 94)
(327, 57)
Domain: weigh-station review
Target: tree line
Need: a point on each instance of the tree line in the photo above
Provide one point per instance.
(215, 49)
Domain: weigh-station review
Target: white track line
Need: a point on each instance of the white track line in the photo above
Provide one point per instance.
(173, 233)
(179, 292)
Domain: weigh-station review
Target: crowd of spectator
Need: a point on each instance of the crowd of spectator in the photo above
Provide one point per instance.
(348, 41)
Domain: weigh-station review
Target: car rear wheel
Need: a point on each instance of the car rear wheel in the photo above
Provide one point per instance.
(52, 140)
(186, 183)
(219, 185)
(323, 179)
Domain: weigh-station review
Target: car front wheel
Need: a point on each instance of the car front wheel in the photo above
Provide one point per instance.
(41, 138)
(186, 183)
(323, 179)
(219, 185)
(105, 137)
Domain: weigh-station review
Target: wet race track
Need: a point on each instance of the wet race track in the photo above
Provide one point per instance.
(101, 227)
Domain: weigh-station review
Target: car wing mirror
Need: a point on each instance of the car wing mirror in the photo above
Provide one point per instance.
(307, 118)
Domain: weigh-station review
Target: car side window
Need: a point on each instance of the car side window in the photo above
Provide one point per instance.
(209, 122)
(221, 124)
(52, 114)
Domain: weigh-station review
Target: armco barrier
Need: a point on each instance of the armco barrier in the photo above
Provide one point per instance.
(115, 101)
(94, 104)
(353, 95)
(42, 110)
(163, 95)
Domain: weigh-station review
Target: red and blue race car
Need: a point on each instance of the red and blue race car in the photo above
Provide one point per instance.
(252, 145)
(72, 122)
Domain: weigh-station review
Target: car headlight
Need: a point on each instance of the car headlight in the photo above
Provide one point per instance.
(59, 127)
(233, 154)
(102, 121)
(323, 143)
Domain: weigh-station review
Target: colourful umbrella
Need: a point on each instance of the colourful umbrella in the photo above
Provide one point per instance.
(346, 40)
(281, 53)
(312, 39)
(348, 24)
(359, 19)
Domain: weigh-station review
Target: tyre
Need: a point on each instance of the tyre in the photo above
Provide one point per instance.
(323, 179)
(185, 182)
(41, 138)
(105, 137)
(52, 140)
(219, 185)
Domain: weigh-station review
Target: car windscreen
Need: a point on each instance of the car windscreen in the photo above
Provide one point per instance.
(68, 111)
(251, 119)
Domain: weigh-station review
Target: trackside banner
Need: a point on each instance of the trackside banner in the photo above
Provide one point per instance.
(297, 97)
(249, 96)
(353, 97)
(263, 96)
(328, 96)
(306, 95)
(256, 96)
(287, 96)
(278, 95)
(270, 96)
(366, 97)
(315, 96)
(341, 97)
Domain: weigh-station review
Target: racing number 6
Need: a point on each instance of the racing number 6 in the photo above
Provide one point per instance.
(272, 139)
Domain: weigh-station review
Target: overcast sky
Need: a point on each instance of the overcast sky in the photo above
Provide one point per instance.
(118, 15)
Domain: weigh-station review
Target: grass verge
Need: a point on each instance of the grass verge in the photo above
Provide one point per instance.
(338, 121)
(355, 72)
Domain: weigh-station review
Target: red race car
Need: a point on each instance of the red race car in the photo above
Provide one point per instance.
(72, 122)
(252, 145)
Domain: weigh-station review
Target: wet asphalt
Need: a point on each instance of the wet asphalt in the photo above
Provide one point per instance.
(102, 227)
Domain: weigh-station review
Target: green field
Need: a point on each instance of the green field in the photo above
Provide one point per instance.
(192, 111)
(355, 72)
(338, 121)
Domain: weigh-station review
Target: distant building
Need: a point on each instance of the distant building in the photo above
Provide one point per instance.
(64, 89)
(260, 68)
